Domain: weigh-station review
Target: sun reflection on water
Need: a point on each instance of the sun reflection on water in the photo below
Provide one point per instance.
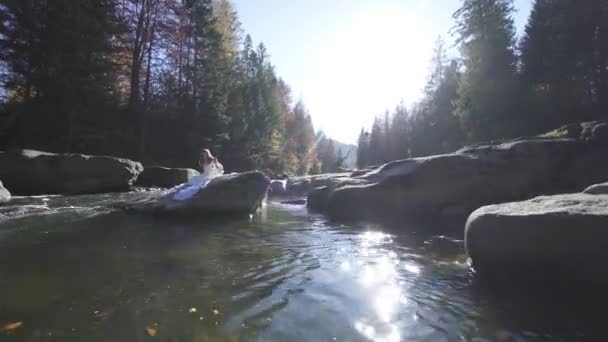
(378, 271)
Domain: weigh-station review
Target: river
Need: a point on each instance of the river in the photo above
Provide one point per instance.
(74, 269)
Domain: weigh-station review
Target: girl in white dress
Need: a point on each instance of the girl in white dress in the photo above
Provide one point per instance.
(210, 168)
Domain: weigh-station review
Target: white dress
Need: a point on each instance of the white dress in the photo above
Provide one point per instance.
(189, 189)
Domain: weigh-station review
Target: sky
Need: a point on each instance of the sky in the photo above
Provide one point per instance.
(350, 60)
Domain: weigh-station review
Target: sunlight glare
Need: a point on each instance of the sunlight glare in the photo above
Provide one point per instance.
(389, 39)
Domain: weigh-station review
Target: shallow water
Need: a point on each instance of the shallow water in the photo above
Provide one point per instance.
(73, 269)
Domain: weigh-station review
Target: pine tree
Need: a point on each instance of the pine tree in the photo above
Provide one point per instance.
(363, 149)
(400, 133)
(59, 56)
(376, 143)
(304, 137)
(488, 85)
(564, 61)
(327, 154)
(438, 63)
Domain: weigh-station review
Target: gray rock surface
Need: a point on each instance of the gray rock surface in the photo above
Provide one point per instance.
(303, 185)
(164, 177)
(597, 189)
(541, 233)
(30, 172)
(5, 195)
(241, 193)
(458, 183)
(600, 133)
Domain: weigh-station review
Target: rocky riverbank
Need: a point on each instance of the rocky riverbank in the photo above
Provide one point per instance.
(30, 172)
(454, 185)
(497, 184)
(510, 229)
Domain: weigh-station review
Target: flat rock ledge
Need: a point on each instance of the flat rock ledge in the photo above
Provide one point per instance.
(562, 233)
(301, 186)
(31, 172)
(234, 194)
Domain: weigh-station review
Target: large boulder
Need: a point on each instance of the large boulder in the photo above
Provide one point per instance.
(30, 172)
(597, 189)
(5, 195)
(164, 177)
(557, 233)
(241, 193)
(456, 184)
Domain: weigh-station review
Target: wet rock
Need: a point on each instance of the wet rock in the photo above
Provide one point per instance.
(5, 195)
(30, 172)
(164, 177)
(18, 211)
(589, 166)
(599, 133)
(597, 189)
(278, 188)
(241, 193)
(458, 183)
(303, 185)
(545, 233)
(317, 199)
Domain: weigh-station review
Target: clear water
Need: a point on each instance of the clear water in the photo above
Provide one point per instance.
(73, 269)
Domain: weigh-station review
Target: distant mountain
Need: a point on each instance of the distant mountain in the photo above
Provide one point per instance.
(347, 149)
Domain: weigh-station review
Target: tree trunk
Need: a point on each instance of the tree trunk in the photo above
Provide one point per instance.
(146, 106)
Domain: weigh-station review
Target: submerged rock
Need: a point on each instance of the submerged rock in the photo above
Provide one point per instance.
(597, 189)
(456, 184)
(5, 195)
(164, 177)
(240, 193)
(30, 172)
(561, 232)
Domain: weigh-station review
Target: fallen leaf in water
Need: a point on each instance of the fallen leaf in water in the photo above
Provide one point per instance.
(216, 312)
(152, 330)
(8, 327)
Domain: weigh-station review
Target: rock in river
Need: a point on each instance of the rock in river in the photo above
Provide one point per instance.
(164, 177)
(597, 189)
(456, 184)
(560, 232)
(30, 172)
(5, 195)
(239, 193)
